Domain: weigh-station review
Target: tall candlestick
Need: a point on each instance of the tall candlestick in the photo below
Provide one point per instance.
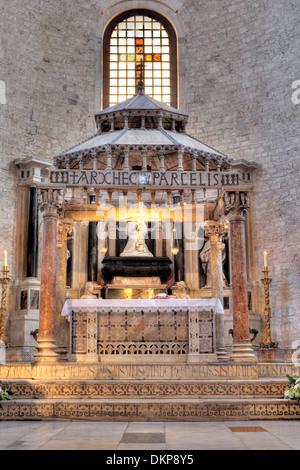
(5, 259)
(4, 280)
(265, 259)
(268, 343)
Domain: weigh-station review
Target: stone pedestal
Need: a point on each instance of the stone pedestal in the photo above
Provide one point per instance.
(24, 321)
(24, 314)
(50, 202)
(236, 205)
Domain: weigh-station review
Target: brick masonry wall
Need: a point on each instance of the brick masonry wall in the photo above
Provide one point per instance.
(240, 60)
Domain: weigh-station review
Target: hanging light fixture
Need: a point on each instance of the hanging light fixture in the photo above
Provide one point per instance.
(175, 244)
(85, 222)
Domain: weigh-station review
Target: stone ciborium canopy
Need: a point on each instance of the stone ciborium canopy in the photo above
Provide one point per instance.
(141, 134)
(139, 131)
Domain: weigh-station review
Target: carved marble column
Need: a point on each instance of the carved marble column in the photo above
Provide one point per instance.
(64, 229)
(180, 159)
(144, 159)
(126, 159)
(236, 204)
(215, 231)
(108, 158)
(50, 201)
(162, 160)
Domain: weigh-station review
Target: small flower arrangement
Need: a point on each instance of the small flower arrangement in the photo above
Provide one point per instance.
(294, 391)
(4, 394)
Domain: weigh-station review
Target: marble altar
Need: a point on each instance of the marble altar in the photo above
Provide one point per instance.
(179, 330)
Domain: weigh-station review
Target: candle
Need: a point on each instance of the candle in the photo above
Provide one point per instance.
(5, 259)
(265, 259)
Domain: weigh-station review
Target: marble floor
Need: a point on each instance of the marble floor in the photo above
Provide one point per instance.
(241, 435)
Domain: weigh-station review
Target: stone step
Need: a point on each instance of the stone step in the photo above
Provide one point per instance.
(150, 410)
(95, 389)
(146, 371)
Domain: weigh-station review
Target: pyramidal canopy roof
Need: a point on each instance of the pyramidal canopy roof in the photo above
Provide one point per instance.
(139, 137)
(133, 134)
(140, 101)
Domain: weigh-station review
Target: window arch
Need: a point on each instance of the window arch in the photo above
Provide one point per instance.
(139, 42)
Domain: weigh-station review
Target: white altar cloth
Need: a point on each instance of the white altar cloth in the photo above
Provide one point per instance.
(136, 305)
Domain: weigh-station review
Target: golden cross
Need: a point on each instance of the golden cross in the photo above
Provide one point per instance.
(140, 58)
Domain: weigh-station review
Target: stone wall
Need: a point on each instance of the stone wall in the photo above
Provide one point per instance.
(244, 58)
(238, 62)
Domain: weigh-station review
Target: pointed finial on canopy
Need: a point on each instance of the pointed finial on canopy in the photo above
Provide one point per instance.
(140, 87)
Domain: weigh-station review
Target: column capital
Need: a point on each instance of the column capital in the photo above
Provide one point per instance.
(108, 150)
(50, 201)
(236, 203)
(217, 228)
(64, 228)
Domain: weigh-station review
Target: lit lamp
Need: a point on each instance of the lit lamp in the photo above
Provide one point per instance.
(85, 222)
(4, 280)
(175, 245)
(266, 281)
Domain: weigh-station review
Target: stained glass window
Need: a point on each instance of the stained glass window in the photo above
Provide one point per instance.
(139, 48)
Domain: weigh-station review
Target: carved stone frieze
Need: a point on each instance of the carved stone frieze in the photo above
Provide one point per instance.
(149, 371)
(149, 410)
(143, 389)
